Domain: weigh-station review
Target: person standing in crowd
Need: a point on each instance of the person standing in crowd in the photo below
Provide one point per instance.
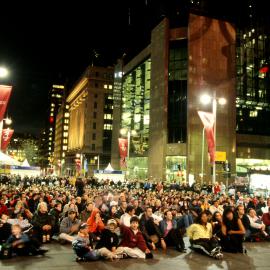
(170, 232)
(233, 231)
(201, 238)
(79, 184)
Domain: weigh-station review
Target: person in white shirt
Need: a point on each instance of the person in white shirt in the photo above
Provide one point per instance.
(265, 209)
(256, 223)
(216, 207)
(125, 218)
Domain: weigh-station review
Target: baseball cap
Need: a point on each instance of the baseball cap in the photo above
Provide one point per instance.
(112, 221)
(71, 210)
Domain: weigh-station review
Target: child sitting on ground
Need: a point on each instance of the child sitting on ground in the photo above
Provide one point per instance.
(133, 243)
(83, 247)
(108, 242)
(22, 245)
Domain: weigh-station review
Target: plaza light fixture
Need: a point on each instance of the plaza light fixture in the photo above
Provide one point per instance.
(207, 99)
(3, 72)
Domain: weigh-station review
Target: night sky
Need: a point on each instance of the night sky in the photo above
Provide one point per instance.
(51, 43)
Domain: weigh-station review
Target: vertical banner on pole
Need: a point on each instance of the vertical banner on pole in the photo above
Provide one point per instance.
(123, 151)
(208, 123)
(5, 91)
(6, 137)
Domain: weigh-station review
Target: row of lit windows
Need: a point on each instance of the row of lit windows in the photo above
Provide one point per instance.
(106, 86)
(108, 116)
(107, 126)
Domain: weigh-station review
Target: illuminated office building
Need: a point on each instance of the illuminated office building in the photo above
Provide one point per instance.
(160, 96)
(90, 121)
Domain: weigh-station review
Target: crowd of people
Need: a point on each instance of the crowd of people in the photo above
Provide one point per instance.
(107, 220)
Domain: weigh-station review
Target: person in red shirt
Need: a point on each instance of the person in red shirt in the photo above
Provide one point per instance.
(95, 224)
(133, 243)
(3, 207)
(266, 221)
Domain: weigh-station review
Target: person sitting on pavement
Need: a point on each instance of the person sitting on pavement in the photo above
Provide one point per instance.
(150, 229)
(108, 243)
(216, 207)
(43, 223)
(56, 212)
(233, 232)
(69, 227)
(240, 211)
(95, 224)
(266, 220)
(86, 213)
(82, 245)
(22, 245)
(201, 237)
(125, 218)
(256, 225)
(133, 243)
(170, 232)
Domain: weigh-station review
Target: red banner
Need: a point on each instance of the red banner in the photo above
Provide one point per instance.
(5, 92)
(123, 151)
(6, 136)
(208, 123)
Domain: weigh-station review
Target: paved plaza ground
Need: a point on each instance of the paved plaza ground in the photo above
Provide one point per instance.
(62, 258)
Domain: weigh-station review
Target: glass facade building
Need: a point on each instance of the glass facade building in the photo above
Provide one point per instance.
(177, 91)
(253, 86)
(136, 107)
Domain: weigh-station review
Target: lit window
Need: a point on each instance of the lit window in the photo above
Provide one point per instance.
(64, 147)
(63, 155)
(107, 127)
(107, 116)
(53, 105)
(65, 127)
(110, 86)
(65, 134)
(52, 109)
(50, 148)
(105, 86)
(253, 113)
(66, 114)
(67, 106)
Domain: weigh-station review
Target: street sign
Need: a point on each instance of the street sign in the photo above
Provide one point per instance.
(220, 156)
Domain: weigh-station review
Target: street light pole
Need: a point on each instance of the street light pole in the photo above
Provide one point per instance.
(215, 127)
(128, 137)
(202, 168)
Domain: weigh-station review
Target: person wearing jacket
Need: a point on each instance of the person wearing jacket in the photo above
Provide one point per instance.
(170, 233)
(82, 245)
(69, 226)
(109, 240)
(266, 220)
(42, 223)
(150, 229)
(86, 213)
(133, 243)
(95, 224)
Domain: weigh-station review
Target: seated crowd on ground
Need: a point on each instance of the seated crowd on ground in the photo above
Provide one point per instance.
(131, 219)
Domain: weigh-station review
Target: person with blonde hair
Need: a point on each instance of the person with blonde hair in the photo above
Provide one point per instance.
(43, 223)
